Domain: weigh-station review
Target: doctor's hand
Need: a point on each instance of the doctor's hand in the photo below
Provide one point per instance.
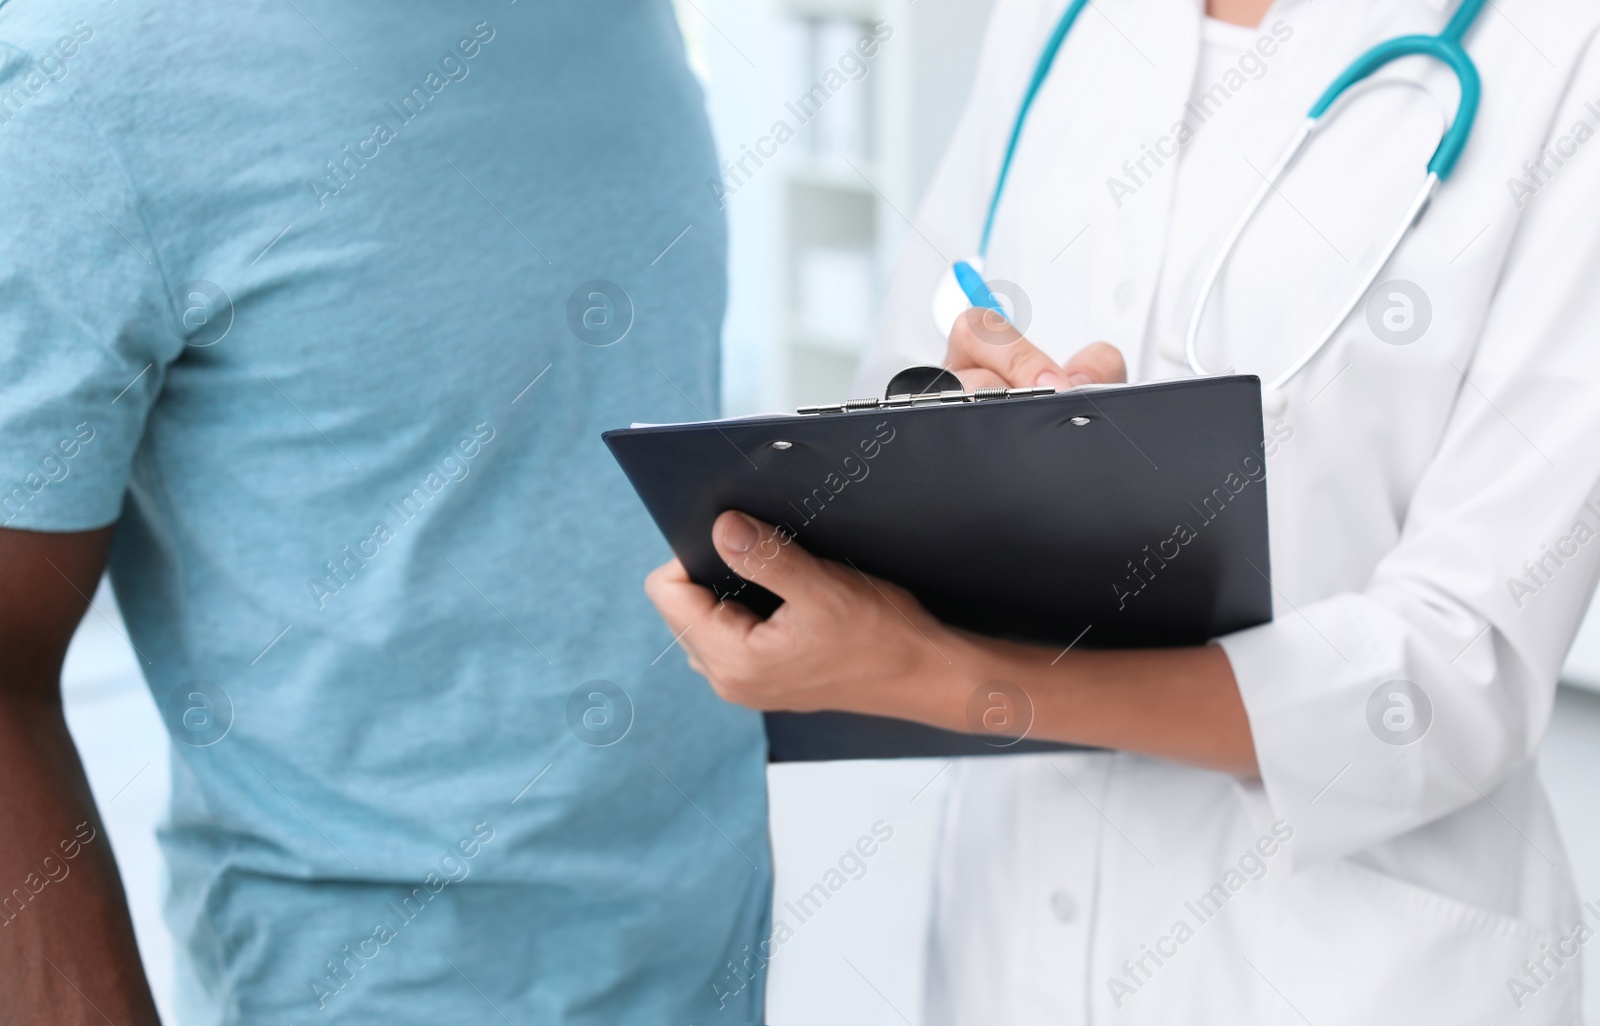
(987, 351)
(841, 640)
(852, 643)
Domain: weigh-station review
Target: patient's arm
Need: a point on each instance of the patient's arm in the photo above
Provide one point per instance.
(67, 951)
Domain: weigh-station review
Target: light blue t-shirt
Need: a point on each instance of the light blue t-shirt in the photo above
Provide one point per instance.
(325, 304)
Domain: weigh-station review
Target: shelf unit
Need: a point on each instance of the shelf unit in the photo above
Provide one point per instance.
(806, 218)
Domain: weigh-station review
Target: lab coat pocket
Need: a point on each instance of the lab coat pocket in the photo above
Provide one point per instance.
(1358, 946)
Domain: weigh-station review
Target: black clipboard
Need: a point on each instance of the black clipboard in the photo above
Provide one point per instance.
(1110, 516)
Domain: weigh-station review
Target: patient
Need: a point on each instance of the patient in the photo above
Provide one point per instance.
(307, 307)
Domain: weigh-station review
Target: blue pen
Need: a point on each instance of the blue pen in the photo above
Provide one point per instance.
(976, 289)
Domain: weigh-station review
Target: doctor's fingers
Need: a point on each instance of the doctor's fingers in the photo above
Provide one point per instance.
(1098, 363)
(694, 615)
(687, 607)
(982, 339)
(769, 556)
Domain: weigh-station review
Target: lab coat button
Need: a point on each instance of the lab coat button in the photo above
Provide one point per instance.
(1125, 294)
(1062, 905)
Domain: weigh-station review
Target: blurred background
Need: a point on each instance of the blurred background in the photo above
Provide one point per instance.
(816, 221)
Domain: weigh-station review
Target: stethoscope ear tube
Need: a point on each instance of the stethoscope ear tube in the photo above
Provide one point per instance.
(1446, 48)
(1443, 48)
(1191, 341)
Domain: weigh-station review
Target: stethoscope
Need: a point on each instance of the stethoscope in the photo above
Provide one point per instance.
(963, 285)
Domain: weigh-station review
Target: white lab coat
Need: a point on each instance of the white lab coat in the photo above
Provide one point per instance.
(1416, 487)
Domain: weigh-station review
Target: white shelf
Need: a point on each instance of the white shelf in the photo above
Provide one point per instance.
(834, 173)
(841, 345)
(758, 65)
(863, 10)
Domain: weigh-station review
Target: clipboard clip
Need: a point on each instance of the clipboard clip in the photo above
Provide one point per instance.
(925, 386)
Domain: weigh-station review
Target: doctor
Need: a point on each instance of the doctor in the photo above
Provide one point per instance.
(1333, 818)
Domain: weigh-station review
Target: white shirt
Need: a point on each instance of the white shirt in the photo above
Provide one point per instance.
(1412, 486)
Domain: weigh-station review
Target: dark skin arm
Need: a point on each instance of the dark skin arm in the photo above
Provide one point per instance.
(67, 955)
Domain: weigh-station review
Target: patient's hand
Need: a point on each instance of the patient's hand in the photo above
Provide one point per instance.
(986, 351)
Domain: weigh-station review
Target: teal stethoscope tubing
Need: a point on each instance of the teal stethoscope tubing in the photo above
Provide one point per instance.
(1446, 48)
(1041, 70)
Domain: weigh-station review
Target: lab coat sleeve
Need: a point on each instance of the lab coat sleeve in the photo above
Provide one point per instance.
(86, 331)
(1453, 607)
(950, 219)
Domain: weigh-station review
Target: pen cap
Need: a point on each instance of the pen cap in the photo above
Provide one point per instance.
(950, 299)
